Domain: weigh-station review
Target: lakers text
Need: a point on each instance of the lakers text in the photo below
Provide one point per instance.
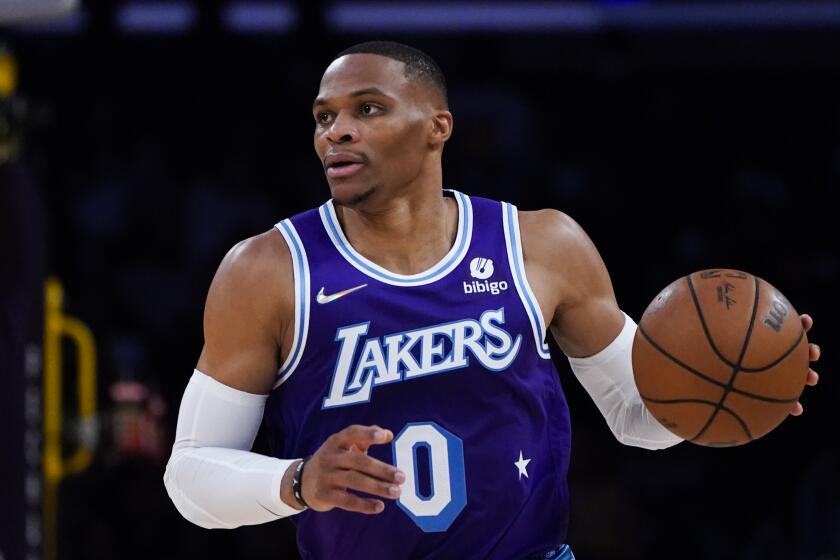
(412, 354)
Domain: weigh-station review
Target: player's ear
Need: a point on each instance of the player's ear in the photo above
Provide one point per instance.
(441, 128)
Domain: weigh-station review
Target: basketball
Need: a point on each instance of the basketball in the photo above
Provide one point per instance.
(720, 357)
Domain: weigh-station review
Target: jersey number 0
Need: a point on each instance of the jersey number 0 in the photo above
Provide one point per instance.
(436, 511)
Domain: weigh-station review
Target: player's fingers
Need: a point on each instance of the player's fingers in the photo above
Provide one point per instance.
(364, 445)
(813, 377)
(378, 437)
(367, 484)
(807, 321)
(361, 436)
(349, 502)
(797, 409)
(814, 352)
(372, 467)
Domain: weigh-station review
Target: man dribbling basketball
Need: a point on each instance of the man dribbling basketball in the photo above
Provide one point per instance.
(394, 338)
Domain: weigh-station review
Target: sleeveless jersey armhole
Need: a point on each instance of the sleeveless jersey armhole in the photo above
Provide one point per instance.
(513, 242)
(300, 271)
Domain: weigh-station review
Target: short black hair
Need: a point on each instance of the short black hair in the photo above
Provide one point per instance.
(418, 65)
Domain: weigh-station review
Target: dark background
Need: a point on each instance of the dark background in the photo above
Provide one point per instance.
(677, 149)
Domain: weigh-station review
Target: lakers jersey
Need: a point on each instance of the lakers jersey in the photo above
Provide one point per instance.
(453, 361)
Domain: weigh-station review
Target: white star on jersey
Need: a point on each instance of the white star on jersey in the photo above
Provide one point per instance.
(522, 465)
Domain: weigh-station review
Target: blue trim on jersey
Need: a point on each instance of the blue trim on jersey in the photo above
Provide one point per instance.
(300, 268)
(438, 271)
(559, 552)
(517, 266)
(565, 553)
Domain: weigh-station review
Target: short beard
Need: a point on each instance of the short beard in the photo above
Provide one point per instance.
(357, 199)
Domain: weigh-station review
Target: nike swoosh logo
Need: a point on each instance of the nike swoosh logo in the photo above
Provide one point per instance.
(322, 298)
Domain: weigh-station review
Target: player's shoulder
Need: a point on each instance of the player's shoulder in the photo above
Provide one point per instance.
(260, 250)
(262, 262)
(549, 234)
(559, 253)
(547, 220)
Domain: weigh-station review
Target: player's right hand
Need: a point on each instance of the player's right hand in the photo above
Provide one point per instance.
(342, 463)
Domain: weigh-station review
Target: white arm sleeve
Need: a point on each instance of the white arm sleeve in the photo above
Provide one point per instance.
(212, 477)
(608, 378)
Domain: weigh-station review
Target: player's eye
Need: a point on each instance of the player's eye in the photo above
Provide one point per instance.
(323, 117)
(369, 109)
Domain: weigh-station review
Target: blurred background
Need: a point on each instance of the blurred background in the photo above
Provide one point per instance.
(140, 140)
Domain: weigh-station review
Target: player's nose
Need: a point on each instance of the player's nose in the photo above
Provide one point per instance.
(343, 129)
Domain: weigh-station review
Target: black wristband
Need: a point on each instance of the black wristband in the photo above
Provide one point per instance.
(297, 483)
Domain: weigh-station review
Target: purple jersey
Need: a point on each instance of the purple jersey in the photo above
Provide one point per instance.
(453, 361)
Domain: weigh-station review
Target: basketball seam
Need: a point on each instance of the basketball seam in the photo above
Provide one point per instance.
(706, 330)
(701, 401)
(736, 369)
(787, 353)
(719, 354)
(711, 380)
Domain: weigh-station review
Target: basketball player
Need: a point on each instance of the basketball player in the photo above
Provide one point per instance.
(393, 341)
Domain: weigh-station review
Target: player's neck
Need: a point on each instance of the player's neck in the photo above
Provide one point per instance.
(406, 234)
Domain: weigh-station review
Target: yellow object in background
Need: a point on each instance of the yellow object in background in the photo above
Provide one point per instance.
(56, 466)
(8, 74)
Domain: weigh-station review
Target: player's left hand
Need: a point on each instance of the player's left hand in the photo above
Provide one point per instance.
(813, 355)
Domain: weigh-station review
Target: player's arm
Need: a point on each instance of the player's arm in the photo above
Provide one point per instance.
(572, 284)
(212, 477)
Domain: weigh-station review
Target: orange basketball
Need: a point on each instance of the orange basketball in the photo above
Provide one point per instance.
(720, 357)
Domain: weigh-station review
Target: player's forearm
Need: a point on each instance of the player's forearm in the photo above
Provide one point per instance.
(608, 378)
(218, 488)
(212, 477)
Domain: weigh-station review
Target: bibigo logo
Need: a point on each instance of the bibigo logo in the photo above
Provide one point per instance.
(482, 269)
